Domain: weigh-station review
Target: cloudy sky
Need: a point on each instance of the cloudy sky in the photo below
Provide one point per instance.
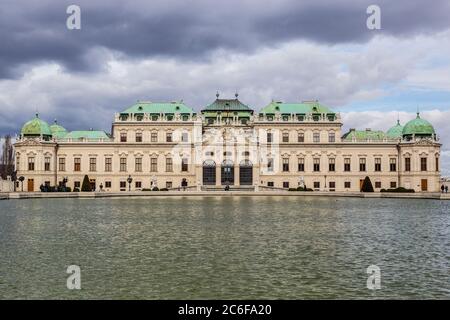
(287, 50)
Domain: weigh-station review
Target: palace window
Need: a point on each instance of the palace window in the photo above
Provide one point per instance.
(301, 164)
(285, 164)
(332, 165)
(347, 162)
(93, 164)
(437, 163)
(154, 118)
(332, 185)
(123, 137)
(154, 164)
(331, 137)
(301, 137)
(407, 164)
(270, 165)
(123, 185)
(154, 137)
(77, 184)
(269, 137)
(285, 136)
(47, 163)
(138, 136)
(184, 165)
(77, 164)
(286, 184)
(31, 164)
(185, 117)
(108, 164)
(108, 184)
(169, 137)
(123, 164)
(347, 184)
(316, 184)
(169, 165)
(377, 184)
(392, 164)
(300, 117)
(138, 165)
(377, 164)
(316, 163)
(423, 164)
(316, 137)
(138, 184)
(168, 184)
(285, 118)
(362, 164)
(184, 137)
(62, 164)
(393, 184)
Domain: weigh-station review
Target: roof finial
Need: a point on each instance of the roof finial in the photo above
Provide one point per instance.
(418, 112)
(56, 121)
(217, 94)
(236, 94)
(398, 118)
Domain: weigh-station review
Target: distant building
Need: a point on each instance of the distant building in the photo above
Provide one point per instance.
(285, 145)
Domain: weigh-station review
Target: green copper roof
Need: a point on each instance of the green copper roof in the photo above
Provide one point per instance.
(159, 107)
(87, 135)
(395, 131)
(364, 135)
(227, 105)
(36, 127)
(296, 108)
(418, 126)
(57, 130)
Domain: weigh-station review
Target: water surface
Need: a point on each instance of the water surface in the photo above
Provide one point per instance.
(224, 248)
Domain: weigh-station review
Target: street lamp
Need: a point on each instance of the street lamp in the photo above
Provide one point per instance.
(129, 180)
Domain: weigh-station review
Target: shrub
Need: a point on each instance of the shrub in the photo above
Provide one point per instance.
(367, 185)
(76, 190)
(293, 189)
(399, 190)
(164, 189)
(68, 189)
(155, 189)
(86, 186)
(146, 189)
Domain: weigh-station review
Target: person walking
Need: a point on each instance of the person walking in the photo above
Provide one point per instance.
(446, 189)
(442, 189)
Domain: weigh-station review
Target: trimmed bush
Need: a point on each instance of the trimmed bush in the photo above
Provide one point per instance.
(164, 189)
(399, 190)
(155, 189)
(86, 186)
(367, 185)
(146, 189)
(293, 189)
(76, 190)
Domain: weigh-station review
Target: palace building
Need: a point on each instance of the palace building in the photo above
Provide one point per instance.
(283, 146)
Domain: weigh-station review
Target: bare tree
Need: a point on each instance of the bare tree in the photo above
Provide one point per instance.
(7, 159)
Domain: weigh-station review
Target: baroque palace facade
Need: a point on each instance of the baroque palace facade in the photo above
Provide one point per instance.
(285, 145)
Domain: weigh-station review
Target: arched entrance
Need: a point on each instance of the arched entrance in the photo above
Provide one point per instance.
(227, 173)
(209, 173)
(245, 173)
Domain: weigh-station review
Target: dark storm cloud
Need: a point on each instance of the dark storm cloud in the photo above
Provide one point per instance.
(33, 32)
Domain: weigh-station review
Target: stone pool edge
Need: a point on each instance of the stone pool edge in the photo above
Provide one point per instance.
(94, 195)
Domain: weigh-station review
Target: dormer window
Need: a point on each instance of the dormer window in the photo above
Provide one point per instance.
(140, 108)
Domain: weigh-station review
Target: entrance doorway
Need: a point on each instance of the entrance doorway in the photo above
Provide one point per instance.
(227, 173)
(209, 173)
(30, 185)
(245, 173)
(424, 184)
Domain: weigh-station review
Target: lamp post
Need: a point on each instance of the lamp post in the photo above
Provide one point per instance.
(129, 180)
(325, 182)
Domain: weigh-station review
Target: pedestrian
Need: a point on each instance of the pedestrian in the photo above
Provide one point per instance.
(442, 188)
(446, 189)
